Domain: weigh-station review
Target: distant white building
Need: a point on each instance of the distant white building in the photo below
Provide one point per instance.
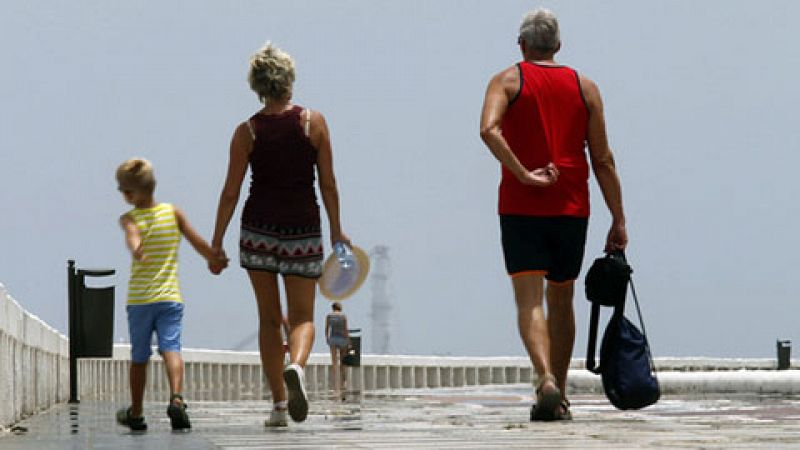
(380, 313)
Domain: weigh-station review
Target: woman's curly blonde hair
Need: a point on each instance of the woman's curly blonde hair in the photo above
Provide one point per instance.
(271, 73)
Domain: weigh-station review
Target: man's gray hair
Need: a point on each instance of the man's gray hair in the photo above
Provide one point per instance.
(539, 30)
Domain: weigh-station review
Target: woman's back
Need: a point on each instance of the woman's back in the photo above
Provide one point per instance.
(282, 163)
(338, 324)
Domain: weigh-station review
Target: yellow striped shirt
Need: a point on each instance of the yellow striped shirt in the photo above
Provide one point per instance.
(156, 278)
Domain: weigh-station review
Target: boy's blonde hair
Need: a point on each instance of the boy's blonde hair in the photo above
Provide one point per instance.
(136, 174)
(271, 73)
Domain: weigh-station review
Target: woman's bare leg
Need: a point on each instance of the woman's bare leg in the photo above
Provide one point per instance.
(300, 294)
(335, 374)
(270, 343)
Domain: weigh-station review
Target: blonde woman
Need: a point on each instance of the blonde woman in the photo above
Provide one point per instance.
(283, 144)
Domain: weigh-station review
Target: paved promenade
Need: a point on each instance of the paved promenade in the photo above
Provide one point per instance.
(460, 418)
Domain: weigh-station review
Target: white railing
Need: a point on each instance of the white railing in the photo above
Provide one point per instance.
(34, 364)
(227, 375)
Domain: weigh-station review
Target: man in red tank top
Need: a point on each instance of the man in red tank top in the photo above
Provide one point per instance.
(537, 118)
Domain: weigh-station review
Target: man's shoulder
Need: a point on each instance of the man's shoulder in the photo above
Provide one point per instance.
(510, 73)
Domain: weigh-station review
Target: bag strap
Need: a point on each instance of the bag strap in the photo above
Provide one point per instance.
(590, 350)
(641, 321)
(644, 332)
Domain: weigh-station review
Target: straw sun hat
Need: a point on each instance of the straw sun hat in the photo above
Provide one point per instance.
(338, 283)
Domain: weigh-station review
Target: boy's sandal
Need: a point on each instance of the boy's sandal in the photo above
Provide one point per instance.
(177, 413)
(125, 418)
(547, 400)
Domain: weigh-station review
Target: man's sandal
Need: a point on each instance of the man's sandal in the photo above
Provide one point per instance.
(548, 400)
(563, 411)
(177, 413)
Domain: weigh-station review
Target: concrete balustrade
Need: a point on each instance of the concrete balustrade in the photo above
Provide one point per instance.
(34, 364)
(224, 375)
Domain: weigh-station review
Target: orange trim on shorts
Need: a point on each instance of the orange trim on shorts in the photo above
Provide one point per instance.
(528, 272)
(560, 283)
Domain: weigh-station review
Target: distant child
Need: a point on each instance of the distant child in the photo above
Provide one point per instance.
(153, 233)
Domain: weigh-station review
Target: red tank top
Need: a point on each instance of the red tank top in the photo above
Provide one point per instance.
(547, 122)
(282, 166)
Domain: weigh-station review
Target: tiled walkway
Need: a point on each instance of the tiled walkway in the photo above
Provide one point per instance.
(444, 418)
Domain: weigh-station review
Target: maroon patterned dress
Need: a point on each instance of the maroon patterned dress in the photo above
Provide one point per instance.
(280, 222)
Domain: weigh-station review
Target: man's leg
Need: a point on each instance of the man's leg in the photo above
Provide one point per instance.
(561, 326)
(138, 374)
(531, 321)
(570, 240)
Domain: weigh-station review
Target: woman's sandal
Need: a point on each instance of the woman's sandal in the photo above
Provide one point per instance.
(548, 401)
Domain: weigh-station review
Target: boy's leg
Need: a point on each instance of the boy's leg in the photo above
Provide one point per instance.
(140, 328)
(168, 328)
(138, 374)
(141, 322)
(173, 364)
(270, 320)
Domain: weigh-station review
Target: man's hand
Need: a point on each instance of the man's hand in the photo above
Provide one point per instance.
(218, 262)
(617, 238)
(541, 177)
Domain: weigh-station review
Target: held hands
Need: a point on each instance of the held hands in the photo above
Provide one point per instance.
(218, 261)
(541, 177)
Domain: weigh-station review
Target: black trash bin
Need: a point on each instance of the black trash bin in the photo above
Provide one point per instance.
(352, 357)
(784, 354)
(96, 326)
(91, 320)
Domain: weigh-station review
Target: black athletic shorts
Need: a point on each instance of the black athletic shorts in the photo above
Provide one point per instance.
(552, 246)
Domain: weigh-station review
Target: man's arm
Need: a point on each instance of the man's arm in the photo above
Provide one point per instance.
(502, 88)
(603, 165)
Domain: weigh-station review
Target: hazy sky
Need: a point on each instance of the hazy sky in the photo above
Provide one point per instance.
(701, 102)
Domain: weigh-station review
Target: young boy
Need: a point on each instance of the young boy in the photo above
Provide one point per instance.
(153, 233)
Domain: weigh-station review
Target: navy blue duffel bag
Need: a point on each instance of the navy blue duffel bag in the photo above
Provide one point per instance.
(626, 366)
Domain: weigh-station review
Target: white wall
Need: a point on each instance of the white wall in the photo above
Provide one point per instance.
(34, 362)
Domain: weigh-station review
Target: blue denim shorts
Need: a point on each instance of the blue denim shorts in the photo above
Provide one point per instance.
(164, 318)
